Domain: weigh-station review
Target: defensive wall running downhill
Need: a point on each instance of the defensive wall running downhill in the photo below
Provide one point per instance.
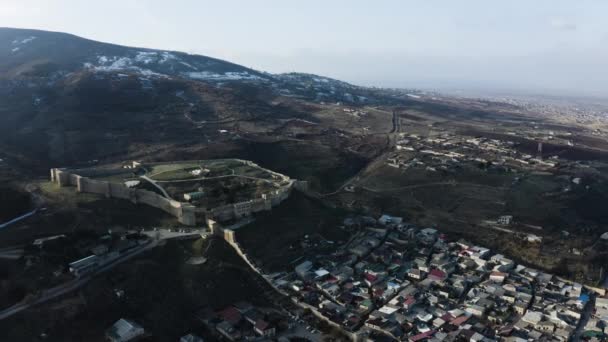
(184, 212)
(229, 236)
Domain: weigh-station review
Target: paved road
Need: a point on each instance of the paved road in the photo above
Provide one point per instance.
(451, 182)
(576, 335)
(355, 178)
(19, 218)
(72, 285)
(202, 122)
(57, 291)
(396, 123)
(11, 253)
(413, 186)
(165, 234)
(301, 332)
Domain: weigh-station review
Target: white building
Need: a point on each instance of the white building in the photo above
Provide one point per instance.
(532, 317)
(498, 277)
(190, 338)
(303, 268)
(387, 219)
(124, 330)
(505, 220)
(84, 265)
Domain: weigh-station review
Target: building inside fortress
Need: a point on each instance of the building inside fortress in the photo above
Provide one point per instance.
(191, 191)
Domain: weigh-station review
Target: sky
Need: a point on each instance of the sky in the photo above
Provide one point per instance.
(541, 46)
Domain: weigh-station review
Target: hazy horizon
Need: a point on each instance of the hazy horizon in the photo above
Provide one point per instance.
(551, 47)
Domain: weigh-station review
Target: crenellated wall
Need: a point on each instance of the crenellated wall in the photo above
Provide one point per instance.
(246, 208)
(184, 212)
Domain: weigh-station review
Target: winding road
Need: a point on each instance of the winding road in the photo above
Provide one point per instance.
(62, 289)
(76, 283)
(19, 218)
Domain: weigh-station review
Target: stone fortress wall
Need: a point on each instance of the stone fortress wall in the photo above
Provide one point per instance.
(184, 212)
(229, 236)
(246, 208)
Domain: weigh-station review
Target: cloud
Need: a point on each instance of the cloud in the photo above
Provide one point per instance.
(14, 13)
(563, 25)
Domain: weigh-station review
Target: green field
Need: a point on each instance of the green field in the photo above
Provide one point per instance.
(224, 181)
(219, 191)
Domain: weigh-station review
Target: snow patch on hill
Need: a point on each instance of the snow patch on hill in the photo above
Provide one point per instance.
(145, 57)
(188, 65)
(148, 57)
(228, 76)
(166, 56)
(165, 63)
(115, 63)
(18, 43)
(23, 41)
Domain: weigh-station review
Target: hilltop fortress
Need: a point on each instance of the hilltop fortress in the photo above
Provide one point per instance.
(257, 189)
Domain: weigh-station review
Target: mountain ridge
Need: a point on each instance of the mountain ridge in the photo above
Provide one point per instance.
(21, 49)
(67, 99)
(27, 51)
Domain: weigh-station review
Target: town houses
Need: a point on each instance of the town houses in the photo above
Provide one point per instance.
(398, 281)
